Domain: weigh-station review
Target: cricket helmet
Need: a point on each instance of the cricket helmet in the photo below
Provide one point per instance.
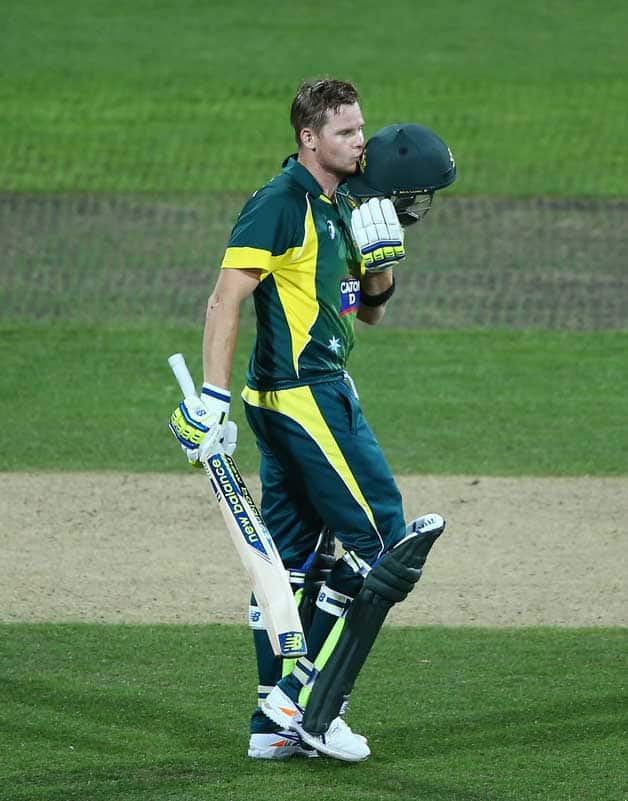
(403, 161)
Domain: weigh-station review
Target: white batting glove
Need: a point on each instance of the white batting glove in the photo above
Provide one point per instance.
(230, 438)
(378, 233)
(199, 423)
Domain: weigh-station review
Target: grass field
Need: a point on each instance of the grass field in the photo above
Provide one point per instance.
(153, 97)
(130, 134)
(491, 403)
(150, 712)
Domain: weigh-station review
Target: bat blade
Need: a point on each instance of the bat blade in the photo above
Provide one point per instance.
(253, 542)
(259, 556)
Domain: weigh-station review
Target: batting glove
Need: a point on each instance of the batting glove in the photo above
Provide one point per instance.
(378, 233)
(230, 438)
(199, 423)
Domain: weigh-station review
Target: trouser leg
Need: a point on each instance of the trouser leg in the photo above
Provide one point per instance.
(321, 441)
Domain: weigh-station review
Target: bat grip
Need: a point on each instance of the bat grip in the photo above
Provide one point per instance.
(182, 374)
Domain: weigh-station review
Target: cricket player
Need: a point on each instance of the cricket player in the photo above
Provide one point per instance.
(315, 247)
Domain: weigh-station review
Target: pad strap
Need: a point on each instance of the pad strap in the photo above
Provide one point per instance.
(356, 564)
(317, 569)
(333, 602)
(256, 618)
(304, 671)
(262, 691)
(296, 578)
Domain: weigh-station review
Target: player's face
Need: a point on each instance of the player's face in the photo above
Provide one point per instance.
(340, 142)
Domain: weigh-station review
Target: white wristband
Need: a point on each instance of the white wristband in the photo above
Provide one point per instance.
(218, 393)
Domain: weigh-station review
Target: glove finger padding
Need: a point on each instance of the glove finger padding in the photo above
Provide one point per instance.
(199, 423)
(187, 423)
(378, 234)
(392, 220)
(230, 437)
(381, 230)
(360, 221)
(217, 402)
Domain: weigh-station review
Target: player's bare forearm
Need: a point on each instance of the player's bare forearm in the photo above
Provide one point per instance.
(222, 323)
(374, 284)
(219, 341)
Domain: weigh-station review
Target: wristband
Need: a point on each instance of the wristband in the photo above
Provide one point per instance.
(378, 300)
(212, 391)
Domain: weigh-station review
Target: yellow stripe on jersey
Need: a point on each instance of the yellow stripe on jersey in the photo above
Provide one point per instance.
(247, 259)
(295, 280)
(298, 404)
(296, 287)
(237, 258)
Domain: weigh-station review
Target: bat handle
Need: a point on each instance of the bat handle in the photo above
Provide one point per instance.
(182, 374)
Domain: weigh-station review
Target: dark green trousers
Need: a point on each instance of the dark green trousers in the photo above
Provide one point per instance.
(321, 465)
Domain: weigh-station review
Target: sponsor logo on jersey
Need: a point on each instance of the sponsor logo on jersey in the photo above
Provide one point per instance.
(349, 295)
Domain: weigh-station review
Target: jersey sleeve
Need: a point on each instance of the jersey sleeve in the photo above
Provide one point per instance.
(268, 228)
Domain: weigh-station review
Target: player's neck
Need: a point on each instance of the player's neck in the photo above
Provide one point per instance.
(328, 180)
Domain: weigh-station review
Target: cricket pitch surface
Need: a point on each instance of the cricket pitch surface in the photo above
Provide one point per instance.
(151, 548)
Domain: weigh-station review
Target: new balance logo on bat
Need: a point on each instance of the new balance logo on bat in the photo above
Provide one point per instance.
(291, 642)
(277, 611)
(235, 501)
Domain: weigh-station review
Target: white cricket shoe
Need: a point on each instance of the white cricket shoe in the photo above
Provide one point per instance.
(279, 745)
(281, 709)
(338, 741)
(344, 725)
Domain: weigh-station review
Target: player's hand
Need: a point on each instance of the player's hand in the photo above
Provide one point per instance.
(199, 423)
(378, 233)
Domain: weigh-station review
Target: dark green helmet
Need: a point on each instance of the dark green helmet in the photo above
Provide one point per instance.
(402, 161)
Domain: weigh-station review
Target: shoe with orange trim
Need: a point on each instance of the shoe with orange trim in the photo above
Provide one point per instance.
(278, 745)
(339, 742)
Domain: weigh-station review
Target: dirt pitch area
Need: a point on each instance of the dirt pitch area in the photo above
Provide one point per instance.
(128, 548)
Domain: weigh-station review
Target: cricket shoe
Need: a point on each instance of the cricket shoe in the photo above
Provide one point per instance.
(339, 741)
(278, 745)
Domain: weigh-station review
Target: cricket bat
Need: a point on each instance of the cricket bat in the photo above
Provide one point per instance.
(252, 540)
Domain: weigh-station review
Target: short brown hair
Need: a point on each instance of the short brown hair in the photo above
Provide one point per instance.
(315, 98)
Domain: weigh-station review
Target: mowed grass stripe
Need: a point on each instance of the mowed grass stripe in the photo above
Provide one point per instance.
(485, 403)
(147, 97)
(160, 712)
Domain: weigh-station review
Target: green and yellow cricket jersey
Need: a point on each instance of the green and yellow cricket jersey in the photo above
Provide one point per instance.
(309, 290)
